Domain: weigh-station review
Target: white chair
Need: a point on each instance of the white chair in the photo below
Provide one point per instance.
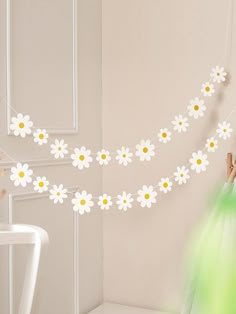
(37, 239)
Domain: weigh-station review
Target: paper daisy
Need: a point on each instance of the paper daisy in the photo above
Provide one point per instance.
(81, 158)
(21, 125)
(103, 157)
(21, 174)
(207, 89)
(224, 130)
(196, 108)
(181, 175)
(145, 150)
(58, 194)
(165, 185)
(199, 161)
(59, 149)
(211, 145)
(147, 196)
(164, 135)
(180, 124)
(40, 136)
(124, 201)
(124, 156)
(218, 74)
(105, 202)
(82, 202)
(41, 184)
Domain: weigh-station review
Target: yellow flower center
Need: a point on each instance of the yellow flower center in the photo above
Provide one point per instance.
(21, 174)
(58, 193)
(81, 157)
(124, 155)
(124, 201)
(207, 88)
(82, 202)
(104, 156)
(196, 107)
(218, 74)
(41, 136)
(41, 184)
(59, 148)
(164, 134)
(105, 201)
(145, 150)
(199, 161)
(147, 196)
(21, 125)
(165, 185)
(224, 130)
(180, 123)
(181, 175)
(212, 144)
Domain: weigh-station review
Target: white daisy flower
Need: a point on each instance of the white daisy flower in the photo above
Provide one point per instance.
(81, 158)
(224, 130)
(145, 150)
(147, 196)
(82, 202)
(103, 157)
(165, 185)
(218, 74)
(58, 194)
(105, 202)
(164, 135)
(199, 161)
(21, 125)
(181, 175)
(40, 136)
(196, 108)
(180, 123)
(21, 174)
(59, 149)
(207, 89)
(124, 156)
(211, 145)
(41, 184)
(124, 201)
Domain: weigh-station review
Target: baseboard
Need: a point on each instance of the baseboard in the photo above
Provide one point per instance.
(111, 308)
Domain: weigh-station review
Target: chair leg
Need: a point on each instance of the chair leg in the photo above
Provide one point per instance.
(30, 278)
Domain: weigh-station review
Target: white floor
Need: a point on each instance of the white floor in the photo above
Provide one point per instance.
(110, 308)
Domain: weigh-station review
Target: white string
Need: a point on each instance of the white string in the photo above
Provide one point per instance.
(27, 138)
(153, 139)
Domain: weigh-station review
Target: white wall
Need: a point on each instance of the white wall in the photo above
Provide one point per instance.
(41, 68)
(156, 55)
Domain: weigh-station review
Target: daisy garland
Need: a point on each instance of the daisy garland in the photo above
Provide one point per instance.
(124, 201)
(83, 202)
(147, 196)
(81, 157)
(58, 194)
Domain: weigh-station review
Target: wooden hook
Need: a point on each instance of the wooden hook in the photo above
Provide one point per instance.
(231, 168)
(2, 194)
(229, 164)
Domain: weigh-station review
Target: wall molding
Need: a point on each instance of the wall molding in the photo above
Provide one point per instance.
(50, 130)
(33, 163)
(18, 197)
